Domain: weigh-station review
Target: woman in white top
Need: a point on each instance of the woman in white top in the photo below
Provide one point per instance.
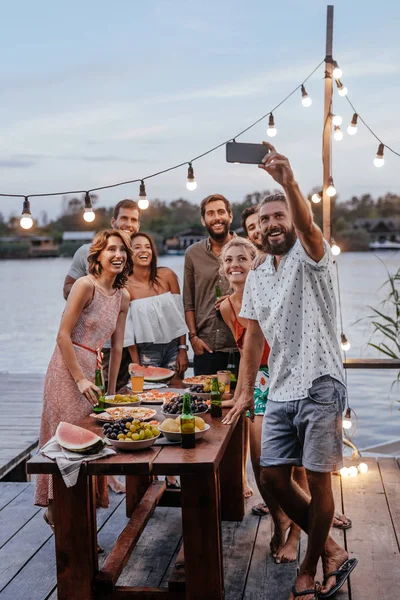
(156, 328)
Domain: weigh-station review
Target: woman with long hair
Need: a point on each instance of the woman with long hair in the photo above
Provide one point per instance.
(156, 324)
(96, 310)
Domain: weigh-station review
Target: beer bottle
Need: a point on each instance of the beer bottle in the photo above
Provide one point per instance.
(216, 399)
(233, 369)
(187, 424)
(98, 380)
(218, 295)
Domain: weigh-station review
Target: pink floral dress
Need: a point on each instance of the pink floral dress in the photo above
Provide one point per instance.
(62, 400)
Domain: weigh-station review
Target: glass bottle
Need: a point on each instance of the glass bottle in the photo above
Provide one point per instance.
(187, 424)
(216, 399)
(98, 380)
(233, 369)
(218, 295)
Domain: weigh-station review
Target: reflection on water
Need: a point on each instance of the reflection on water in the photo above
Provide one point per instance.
(31, 305)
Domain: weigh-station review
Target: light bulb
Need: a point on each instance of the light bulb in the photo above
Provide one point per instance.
(363, 468)
(143, 203)
(337, 120)
(191, 183)
(26, 220)
(344, 472)
(342, 90)
(352, 128)
(345, 344)
(337, 133)
(347, 419)
(331, 190)
(89, 215)
(379, 161)
(306, 100)
(271, 131)
(335, 249)
(353, 471)
(316, 197)
(337, 71)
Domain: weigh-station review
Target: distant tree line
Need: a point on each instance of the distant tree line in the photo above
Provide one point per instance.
(164, 219)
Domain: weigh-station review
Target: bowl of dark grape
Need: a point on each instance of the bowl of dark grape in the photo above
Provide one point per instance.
(174, 406)
(198, 390)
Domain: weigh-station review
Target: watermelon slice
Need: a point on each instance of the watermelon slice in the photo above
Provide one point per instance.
(77, 439)
(152, 374)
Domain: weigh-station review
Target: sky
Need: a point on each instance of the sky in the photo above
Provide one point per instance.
(93, 93)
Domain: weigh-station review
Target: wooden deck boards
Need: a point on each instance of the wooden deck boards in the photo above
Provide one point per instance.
(27, 561)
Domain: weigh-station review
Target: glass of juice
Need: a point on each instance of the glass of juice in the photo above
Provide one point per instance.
(225, 378)
(137, 379)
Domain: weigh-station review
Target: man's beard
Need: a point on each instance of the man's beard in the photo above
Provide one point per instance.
(218, 237)
(258, 243)
(280, 248)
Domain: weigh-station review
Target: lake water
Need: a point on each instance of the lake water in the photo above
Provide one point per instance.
(31, 305)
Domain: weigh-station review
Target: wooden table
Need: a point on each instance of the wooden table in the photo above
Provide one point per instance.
(211, 489)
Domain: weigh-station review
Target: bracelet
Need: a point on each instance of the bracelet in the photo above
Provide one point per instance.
(192, 335)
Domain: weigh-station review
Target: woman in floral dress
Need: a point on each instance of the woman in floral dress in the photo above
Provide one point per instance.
(96, 310)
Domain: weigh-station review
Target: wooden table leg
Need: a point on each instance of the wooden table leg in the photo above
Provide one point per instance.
(202, 536)
(231, 476)
(136, 486)
(75, 537)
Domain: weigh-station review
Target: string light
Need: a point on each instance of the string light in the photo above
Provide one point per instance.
(363, 468)
(143, 202)
(347, 419)
(353, 471)
(316, 197)
(337, 120)
(342, 90)
(335, 248)
(26, 220)
(344, 472)
(271, 131)
(379, 161)
(331, 190)
(191, 183)
(345, 344)
(337, 71)
(306, 100)
(352, 128)
(88, 214)
(337, 133)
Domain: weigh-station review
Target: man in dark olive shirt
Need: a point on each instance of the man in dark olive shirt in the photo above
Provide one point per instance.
(211, 339)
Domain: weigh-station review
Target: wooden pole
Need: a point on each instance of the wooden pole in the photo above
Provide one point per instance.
(326, 140)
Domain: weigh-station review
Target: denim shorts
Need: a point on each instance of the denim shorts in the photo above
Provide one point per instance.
(306, 432)
(159, 355)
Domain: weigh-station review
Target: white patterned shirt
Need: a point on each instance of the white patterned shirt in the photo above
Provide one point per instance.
(295, 306)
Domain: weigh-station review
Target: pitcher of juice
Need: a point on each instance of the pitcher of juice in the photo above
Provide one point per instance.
(137, 377)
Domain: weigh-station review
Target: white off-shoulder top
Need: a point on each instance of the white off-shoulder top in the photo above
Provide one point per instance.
(156, 319)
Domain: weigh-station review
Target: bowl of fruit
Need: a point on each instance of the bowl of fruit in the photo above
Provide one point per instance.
(122, 400)
(171, 428)
(131, 434)
(204, 389)
(174, 406)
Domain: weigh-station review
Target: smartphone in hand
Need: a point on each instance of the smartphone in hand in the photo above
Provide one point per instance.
(251, 154)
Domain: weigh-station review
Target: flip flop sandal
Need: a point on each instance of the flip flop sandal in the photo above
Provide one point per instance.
(342, 525)
(172, 486)
(259, 510)
(341, 574)
(306, 592)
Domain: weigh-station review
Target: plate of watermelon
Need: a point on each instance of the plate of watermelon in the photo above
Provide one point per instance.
(77, 439)
(153, 374)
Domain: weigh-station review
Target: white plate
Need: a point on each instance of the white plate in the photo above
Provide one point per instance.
(120, 404)
(132, 445)
(172, 436)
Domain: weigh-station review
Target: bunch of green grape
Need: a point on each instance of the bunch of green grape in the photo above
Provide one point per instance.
(130, 430)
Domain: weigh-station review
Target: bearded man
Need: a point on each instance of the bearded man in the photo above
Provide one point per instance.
(211, 339)
(290, 300)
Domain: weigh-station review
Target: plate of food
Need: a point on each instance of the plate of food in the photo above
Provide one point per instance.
(174, 406)
(125, 412)
(131, 434)
(171, 429)
(156, 396)
(122, 400)
(188, 381)
(152, 374)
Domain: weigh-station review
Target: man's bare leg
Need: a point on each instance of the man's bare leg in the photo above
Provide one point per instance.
(289, 551)
(314, 517)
